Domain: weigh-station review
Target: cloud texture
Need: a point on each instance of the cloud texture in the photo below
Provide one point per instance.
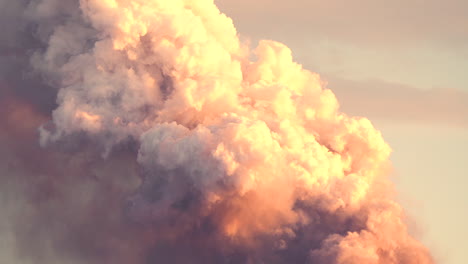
(172, 142)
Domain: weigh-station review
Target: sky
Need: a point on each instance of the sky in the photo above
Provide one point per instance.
(403, 65)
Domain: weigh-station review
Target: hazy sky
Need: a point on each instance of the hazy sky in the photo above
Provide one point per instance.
(402, 64)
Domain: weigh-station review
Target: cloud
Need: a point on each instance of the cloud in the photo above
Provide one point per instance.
(167, 143)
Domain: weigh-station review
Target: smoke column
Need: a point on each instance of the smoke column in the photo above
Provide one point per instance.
(144, 132)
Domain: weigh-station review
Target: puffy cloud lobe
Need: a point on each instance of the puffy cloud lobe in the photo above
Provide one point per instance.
(241, 161)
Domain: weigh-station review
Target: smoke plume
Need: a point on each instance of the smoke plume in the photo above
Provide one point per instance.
(145, 132)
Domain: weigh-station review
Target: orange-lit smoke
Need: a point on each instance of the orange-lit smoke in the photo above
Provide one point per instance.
(240, 161)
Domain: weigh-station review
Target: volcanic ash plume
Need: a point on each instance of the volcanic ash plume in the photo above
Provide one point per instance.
(169, 144)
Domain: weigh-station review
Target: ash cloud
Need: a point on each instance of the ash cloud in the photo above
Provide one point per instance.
(142, 132)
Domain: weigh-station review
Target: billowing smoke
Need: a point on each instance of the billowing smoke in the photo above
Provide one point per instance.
(170, 141)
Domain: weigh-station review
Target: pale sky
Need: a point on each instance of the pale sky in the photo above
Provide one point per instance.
(404, 65)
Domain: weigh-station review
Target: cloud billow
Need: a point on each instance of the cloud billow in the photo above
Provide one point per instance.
(168, 144)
